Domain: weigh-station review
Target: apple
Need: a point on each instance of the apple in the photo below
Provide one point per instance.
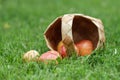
(31, 55)
(61, 49)
(49, 56)
(84, 47)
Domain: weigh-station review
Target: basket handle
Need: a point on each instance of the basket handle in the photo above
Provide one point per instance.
(66, 30)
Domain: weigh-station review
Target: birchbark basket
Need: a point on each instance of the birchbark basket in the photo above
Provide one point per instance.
(71, 29)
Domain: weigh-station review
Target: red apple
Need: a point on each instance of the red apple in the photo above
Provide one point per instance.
(49, 56)
(61, 49)
(84, 47)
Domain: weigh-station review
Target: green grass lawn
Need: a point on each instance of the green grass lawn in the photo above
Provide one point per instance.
(22, 24)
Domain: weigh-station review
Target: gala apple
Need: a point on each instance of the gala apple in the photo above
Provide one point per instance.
(84, 47)
(49, 56)
(61, 49)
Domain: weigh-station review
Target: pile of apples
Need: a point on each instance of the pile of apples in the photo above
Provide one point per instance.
(83, 48)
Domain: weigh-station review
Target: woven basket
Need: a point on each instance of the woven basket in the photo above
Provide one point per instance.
(71, 29)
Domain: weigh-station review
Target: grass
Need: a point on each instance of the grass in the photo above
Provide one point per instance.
(22, 24)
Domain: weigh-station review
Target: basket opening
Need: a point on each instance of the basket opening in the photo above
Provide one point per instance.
(53, 34)
(84, 29)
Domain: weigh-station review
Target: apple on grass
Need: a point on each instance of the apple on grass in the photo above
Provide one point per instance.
(49, 56)
(31, 55)
(84, 47)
